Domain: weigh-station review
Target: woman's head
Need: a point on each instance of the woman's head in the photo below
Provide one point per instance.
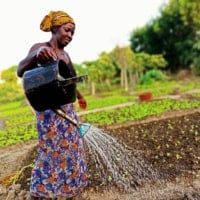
(61, 25)
(63, 34)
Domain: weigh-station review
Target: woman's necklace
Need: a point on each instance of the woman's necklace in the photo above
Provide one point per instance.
(61, 54)
(57, 52)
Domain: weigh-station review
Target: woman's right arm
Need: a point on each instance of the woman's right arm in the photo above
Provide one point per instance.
(29, 62)
(39, 53)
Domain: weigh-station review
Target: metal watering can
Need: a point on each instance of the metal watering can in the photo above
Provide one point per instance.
(56, 79)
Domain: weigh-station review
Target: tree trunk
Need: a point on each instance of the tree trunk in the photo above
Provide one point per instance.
(131, 78)
(122, 77)
(108, 83)
(125, 79)
(93, 88)
(136, 77)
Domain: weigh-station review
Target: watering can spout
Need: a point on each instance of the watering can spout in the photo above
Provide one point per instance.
(84, 128)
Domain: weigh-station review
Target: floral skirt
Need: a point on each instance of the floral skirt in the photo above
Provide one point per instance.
(60, 168)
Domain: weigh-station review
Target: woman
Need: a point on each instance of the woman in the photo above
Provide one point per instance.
(60, 168)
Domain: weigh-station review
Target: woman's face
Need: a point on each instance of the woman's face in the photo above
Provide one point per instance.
(64, 34)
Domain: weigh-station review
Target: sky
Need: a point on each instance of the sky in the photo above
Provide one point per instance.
(100, 25)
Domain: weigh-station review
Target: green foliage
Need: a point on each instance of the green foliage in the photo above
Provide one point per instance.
(107, 66)
(10, 91)
(80, 69)
(196, 66)
(101, 69)
(172, 34)
(189, 10)
(196, 48)
(151, 76)
(17, 134)
(147, 61)
(9, 106)
(9, 75)
(123, 57)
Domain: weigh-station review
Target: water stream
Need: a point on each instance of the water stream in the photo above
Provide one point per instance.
(117, 163)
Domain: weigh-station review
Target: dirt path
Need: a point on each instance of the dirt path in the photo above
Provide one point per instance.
(13, 157)
(81, 113)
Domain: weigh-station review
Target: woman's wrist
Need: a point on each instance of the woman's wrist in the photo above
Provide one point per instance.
(79, 96)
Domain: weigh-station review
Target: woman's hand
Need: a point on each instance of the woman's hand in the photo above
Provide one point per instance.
(45, 54)
(82, 103)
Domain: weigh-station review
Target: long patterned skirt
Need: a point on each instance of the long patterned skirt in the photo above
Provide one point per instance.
(60, 168)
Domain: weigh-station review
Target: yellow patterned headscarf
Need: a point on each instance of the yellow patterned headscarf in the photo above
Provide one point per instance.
(55, 18)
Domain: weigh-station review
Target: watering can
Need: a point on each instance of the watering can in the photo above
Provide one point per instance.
(55, 79)
(45, 82)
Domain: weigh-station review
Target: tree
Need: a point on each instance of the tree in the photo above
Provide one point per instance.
(94, 74)
(189, 10)
(172, 34)
(107, 67)
(125, 59)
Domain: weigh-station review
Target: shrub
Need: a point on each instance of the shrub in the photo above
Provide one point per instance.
(151, 76)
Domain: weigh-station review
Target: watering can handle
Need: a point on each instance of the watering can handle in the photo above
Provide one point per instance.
(61, 113)
(82, 127)
(69, 81)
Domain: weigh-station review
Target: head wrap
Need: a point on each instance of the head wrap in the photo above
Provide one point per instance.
(55, 18)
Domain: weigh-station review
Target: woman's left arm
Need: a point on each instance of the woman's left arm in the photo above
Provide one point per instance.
(81, 100)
